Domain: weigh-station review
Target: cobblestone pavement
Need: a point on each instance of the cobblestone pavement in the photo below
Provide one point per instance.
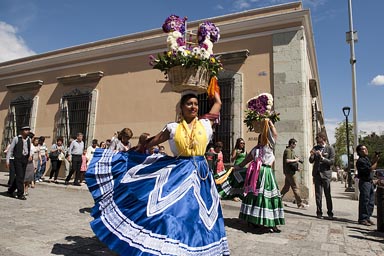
(55, 221)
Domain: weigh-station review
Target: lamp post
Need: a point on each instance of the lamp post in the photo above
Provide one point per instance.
(346, 111)
(351, 37)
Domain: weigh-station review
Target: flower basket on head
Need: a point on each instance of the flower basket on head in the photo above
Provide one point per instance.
(195, 79)
(259, 109)
(188, 63)
(257, 126)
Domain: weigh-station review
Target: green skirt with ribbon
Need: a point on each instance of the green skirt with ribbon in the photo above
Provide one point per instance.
(230, 184)
(264, 206)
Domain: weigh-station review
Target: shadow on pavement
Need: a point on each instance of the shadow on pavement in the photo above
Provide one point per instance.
(367, 232)
(78, 245)
(85, 210)
(367, 238)
(324, 218)
(241, 225)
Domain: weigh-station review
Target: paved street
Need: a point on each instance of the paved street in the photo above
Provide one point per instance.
(55, 221)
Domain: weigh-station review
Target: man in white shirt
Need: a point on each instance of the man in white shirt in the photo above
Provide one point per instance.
(90, 150)
(20, 149)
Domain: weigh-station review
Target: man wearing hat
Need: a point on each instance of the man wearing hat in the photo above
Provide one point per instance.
(20, 148)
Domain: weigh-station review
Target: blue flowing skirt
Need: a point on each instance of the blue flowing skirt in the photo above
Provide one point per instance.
(155, 205)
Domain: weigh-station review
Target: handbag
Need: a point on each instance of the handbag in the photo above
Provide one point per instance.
(54, 155)
(293, 166)
(61, 156)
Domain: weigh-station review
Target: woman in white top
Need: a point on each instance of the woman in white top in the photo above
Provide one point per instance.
(33, 162)
(262, 205)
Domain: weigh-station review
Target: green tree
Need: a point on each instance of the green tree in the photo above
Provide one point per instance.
(340, 145)
(374, 142)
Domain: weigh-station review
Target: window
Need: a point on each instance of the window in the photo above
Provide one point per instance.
(19, 115)
(74, 115)
(223, 131)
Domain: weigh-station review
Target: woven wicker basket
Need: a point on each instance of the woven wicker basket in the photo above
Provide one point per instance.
(257, 126)
(183, 79)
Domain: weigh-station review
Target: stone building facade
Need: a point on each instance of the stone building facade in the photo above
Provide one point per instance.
(101, 87)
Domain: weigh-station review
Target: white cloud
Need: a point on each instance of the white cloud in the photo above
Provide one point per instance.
(249, 4)
(378, 80)
(364, 128)
(219, 7)
(12, 46)
(330, 126)
(241, 4)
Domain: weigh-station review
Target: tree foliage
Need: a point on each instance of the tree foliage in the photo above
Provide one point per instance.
(374, 143)
(340, 145)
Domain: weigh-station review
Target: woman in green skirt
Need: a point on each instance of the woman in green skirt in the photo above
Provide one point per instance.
(262, 205)
(230, 184)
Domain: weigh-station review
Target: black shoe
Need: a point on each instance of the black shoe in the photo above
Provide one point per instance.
(21, 198)
(76, 184)
(10, 194)
(273, 230)
(365, 223)
(66, 183)
(330, 217)
(319, 216)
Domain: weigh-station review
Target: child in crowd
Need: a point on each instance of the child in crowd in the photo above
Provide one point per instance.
(219, 157)
(83, 168)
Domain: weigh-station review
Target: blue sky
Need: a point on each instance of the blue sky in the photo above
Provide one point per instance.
(38, 26)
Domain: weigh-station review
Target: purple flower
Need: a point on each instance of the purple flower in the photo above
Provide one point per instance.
(208, 30)
(174, 23)
(180, 41)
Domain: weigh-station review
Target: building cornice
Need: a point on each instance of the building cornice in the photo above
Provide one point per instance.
(25, 86)
(150, 42)
(80, 78)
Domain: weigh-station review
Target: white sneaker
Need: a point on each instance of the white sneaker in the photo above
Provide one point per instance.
(302, 206)
(37, 181)
(40, 180)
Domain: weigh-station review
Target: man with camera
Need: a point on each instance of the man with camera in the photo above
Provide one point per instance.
(290, 167)
(365, 170)
(322, 157)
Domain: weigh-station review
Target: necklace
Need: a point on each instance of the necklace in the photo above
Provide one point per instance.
(191, 143)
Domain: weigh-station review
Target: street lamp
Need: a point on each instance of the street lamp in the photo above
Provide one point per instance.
(346, 111)
(351, 39)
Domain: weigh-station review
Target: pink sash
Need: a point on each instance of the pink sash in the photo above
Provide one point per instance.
(252, 177)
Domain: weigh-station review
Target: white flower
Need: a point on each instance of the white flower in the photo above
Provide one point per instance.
(183, 50)
(196, 50)
(269, 107)
(270, 102)
(209, 45)
(176, 34)
(204, 53)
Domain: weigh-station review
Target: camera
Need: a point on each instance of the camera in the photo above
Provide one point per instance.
(378, 153)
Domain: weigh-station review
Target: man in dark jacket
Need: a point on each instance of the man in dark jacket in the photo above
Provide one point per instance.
(20, 148)
(365, 169)
(322, 157)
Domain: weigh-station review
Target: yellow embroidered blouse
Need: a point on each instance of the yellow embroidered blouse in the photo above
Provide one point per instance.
(186, 141)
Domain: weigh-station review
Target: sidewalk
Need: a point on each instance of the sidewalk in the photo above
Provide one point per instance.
(304, 234)
(55, 221)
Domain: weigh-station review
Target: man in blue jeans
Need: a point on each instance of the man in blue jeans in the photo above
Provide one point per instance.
(365, 170)
(44, 158)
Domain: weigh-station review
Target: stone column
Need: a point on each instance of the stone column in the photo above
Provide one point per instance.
(292, 100)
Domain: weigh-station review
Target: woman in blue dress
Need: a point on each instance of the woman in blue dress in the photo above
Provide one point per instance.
(160, 205)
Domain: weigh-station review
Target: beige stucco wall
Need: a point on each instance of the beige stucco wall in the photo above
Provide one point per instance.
(132, 94)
